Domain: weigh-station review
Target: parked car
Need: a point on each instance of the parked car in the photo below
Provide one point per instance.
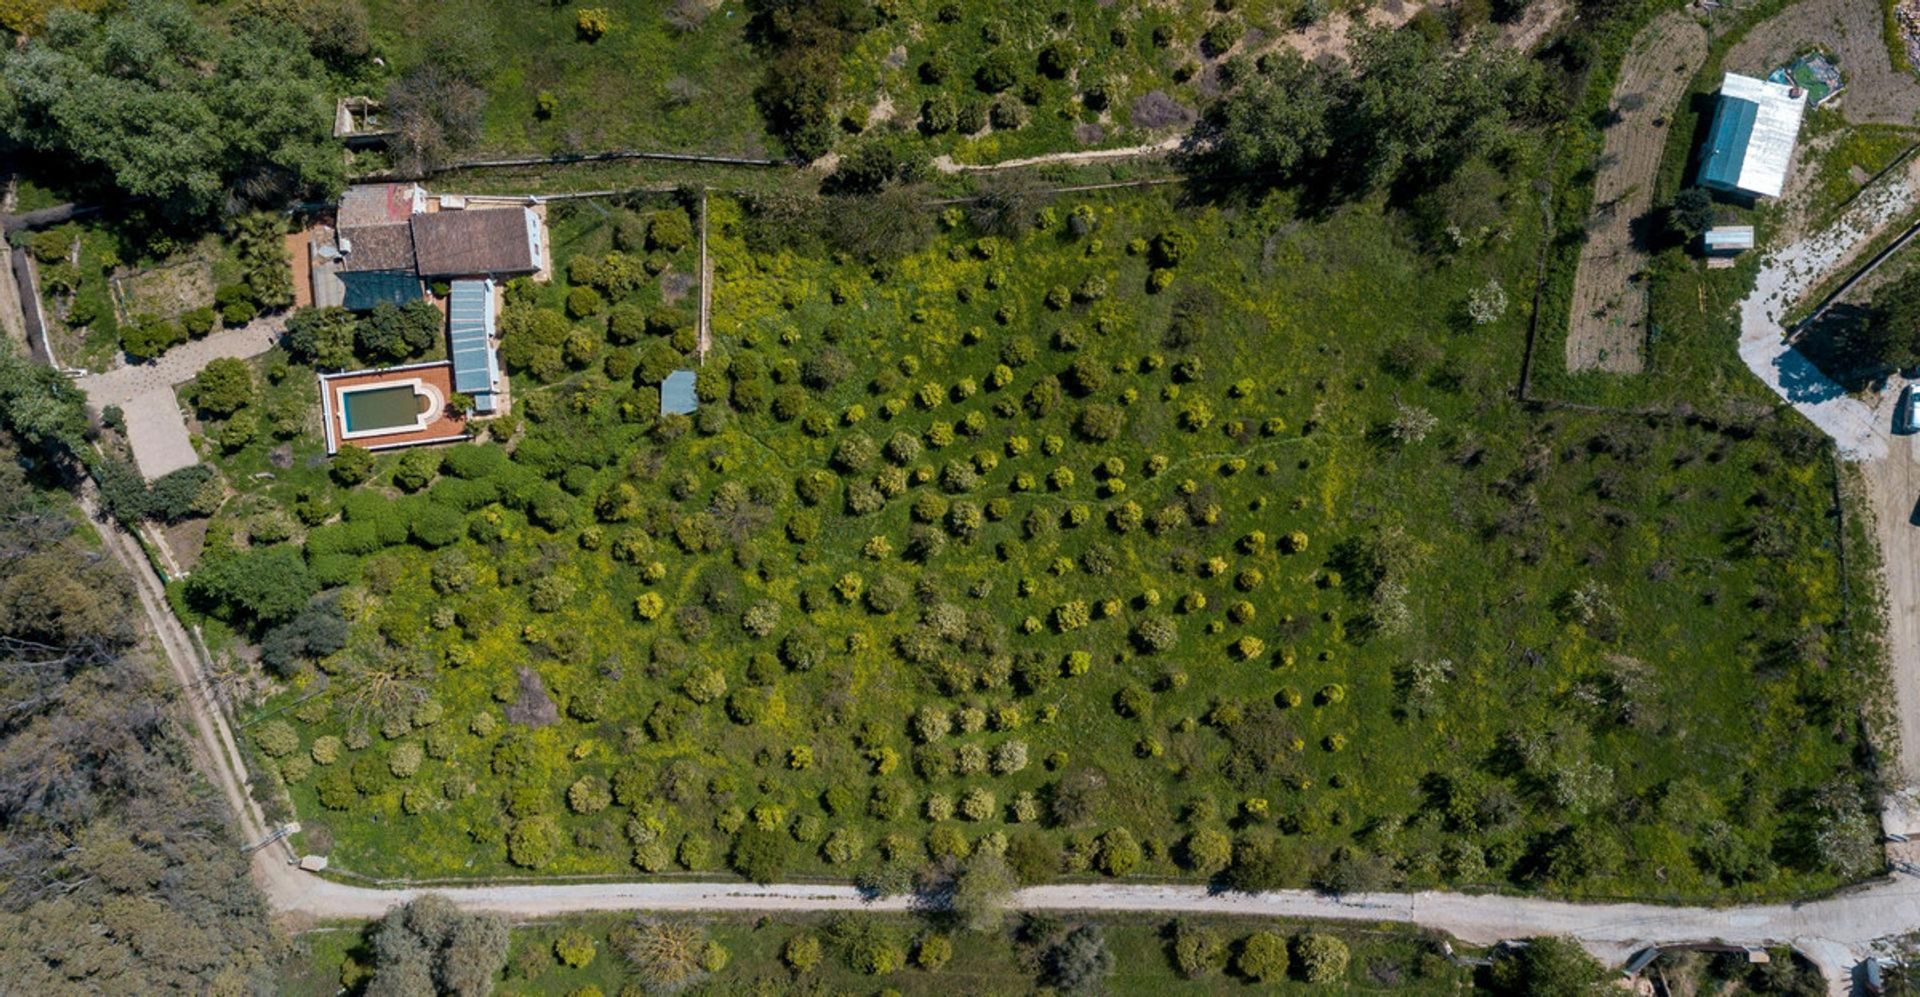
(1905, 419)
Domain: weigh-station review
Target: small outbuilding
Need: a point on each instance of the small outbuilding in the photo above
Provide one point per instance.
(677, 395)
(1750, 143)
(1727, 240)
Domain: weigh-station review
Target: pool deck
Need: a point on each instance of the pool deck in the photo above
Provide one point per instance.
(443, 429)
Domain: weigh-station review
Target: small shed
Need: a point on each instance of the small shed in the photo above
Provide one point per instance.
(1727, 240)
(676, 394)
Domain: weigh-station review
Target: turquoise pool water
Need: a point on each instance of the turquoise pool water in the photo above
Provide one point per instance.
(381, 408)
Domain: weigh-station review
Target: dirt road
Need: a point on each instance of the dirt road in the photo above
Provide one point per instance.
(1851, 31)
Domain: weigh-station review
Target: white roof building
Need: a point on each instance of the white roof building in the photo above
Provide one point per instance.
(1751, 141)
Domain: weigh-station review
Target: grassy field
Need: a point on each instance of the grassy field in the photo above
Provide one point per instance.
(1383, 959)
(1157, 523)
(1084, 74)
(644, 84)
(1003, 81)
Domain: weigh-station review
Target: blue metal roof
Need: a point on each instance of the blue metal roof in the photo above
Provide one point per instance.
(676, 394)
(1727, 141)
(470, 322)
(367, 288)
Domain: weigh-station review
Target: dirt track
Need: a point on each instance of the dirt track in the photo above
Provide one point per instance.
(1609, 313)
(1851, 30)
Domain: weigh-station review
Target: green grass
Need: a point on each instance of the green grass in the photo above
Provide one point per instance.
(617, 92)
(1126, 67)
(1870, 148)
(1894, 37)
(1385, 959)
(1650, 605)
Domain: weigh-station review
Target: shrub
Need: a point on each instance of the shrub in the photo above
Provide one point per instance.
(223, 386)
(1100, 422)
(760, 855)
(1198, 951)
(151, 337)
(592, 23)
(933, 952)
(669, 230)
(277, 739)
(589, 795)
(1322, 958)
(352, 465)
(584, 302)
(405, 760)
(533, 842)
(1156, 633)
(1080, 961)
(1120, 854)
(575, 948)
(1549, 966)
(1262, 957)
(801, 953)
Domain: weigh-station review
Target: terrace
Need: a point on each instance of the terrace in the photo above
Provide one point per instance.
(389, 408)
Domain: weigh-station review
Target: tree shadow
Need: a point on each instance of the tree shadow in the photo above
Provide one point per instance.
(1828, 358)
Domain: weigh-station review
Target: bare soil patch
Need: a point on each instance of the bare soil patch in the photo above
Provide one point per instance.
(1851, 31)
(534, 708)
(1609, 310)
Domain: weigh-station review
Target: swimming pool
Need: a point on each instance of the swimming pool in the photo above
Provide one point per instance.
(384, 409)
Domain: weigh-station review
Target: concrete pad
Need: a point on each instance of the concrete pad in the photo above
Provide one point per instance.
(157, 432)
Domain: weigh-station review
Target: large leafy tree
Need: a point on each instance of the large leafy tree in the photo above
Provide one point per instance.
(173, 111)
(394, 332)
(1279, 123)
(1891, 332)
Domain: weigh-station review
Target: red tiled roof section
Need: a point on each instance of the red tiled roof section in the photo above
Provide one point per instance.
(375, 204)
(377, 247)
(473, 241)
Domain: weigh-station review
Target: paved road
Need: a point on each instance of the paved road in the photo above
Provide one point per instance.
(156, 429)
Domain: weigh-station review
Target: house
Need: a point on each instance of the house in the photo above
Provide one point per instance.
(476, 242)
(386, 242)
(1727, 240)
(1750, 143)
(398, 232)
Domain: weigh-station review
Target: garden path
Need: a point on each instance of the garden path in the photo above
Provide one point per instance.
(156, 429)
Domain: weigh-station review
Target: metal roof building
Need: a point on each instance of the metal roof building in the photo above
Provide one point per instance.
(476, 368)
(1750, 142)
(676, 394)
(1728, 239)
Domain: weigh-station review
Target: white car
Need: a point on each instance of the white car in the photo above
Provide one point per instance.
(1905, 417)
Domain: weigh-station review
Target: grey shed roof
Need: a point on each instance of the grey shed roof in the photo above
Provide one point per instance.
(470, 343)
(676, 394)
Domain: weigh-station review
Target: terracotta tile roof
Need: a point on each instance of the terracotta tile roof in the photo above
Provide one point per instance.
(375, 204)
(377, 247)
(473, 241)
